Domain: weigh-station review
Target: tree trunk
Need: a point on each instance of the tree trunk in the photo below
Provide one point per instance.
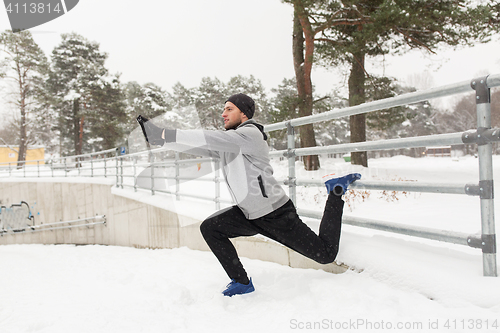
(76, 126)
(80, 135)
(302, 66)
(356, 97)
(80, 141)
(21, 155)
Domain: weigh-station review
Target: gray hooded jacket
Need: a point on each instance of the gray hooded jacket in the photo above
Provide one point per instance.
(244, 157)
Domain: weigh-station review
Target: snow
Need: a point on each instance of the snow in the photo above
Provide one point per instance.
(72, 95)
(61, 288)
(395, 283)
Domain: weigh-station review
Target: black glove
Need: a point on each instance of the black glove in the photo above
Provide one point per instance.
(152, 133)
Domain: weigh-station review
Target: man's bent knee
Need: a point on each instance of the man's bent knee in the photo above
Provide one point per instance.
(206, 227)
(330, 257)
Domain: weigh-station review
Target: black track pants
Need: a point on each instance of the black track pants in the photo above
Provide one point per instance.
(283, 225)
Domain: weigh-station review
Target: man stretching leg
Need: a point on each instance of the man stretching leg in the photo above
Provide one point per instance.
(262, 206)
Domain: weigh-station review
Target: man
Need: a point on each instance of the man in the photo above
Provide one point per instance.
(262, 206)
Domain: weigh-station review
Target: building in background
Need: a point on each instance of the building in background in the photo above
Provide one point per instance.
(8, 154)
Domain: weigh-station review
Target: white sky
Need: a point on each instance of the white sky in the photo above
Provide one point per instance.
(182, 41)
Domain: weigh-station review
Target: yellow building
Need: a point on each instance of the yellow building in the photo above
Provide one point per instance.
(9, 154)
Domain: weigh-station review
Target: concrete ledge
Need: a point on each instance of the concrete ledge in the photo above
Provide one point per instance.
(131, 221)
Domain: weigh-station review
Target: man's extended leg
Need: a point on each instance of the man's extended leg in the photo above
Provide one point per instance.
(331, 223)
(217, 229)
(286, 227)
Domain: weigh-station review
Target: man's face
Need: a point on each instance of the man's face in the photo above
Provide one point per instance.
(232, 116)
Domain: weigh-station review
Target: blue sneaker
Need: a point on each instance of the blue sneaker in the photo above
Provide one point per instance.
(236, 288)
(339, 185)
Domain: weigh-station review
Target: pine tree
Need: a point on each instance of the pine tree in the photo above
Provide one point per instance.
(347, 31)
(303, 56)
(285, 106)
(209, 100)
(88, 101)
(148, 100)
(379, 88)
(285, 102)
(106, 114)
(183, 106)
(25, 65)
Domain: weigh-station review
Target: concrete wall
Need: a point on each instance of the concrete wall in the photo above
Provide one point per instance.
(129, 223)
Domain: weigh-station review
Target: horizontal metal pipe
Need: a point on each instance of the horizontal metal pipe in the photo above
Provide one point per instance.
(413, 142)
(434, 234)
(409, 186)
(97, 217)
(202, 197)
(53, 228)
(197, 179)
(493, 81)
(132, 176)
(275, 153)
(183, 194)
(195, 161)
(171, 163)
(410, 98)
(46, 162)
(172, 177)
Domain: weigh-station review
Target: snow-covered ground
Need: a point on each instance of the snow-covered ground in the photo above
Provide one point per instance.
(396, 283)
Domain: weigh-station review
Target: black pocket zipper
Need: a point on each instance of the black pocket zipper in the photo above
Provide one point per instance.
(261, 184)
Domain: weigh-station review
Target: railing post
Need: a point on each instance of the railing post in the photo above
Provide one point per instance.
(488, 237)
(134, 159)
(116, 171)
(291, 162)
(177, 175)
(38, 168)
(121, 170)
(217, 183)
(91, 166)
(152, 174)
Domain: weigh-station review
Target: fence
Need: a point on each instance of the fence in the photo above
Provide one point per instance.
(65, 166)
(79, 223)
(141, 170)
(146, 171)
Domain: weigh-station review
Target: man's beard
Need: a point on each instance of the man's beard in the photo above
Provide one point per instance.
(234, 126)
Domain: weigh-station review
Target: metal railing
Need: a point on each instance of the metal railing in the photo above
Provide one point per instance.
(78, 223)
(483, 136)
(143, 172)
(100, 163)
(133, 169)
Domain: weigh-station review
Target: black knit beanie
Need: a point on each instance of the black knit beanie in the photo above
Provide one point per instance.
(244, 103)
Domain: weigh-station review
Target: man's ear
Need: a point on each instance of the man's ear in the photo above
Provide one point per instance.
(243, 117)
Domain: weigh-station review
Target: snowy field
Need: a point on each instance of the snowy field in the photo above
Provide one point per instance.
(397, 283)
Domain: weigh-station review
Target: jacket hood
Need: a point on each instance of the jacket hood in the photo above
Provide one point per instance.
(259, 126)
